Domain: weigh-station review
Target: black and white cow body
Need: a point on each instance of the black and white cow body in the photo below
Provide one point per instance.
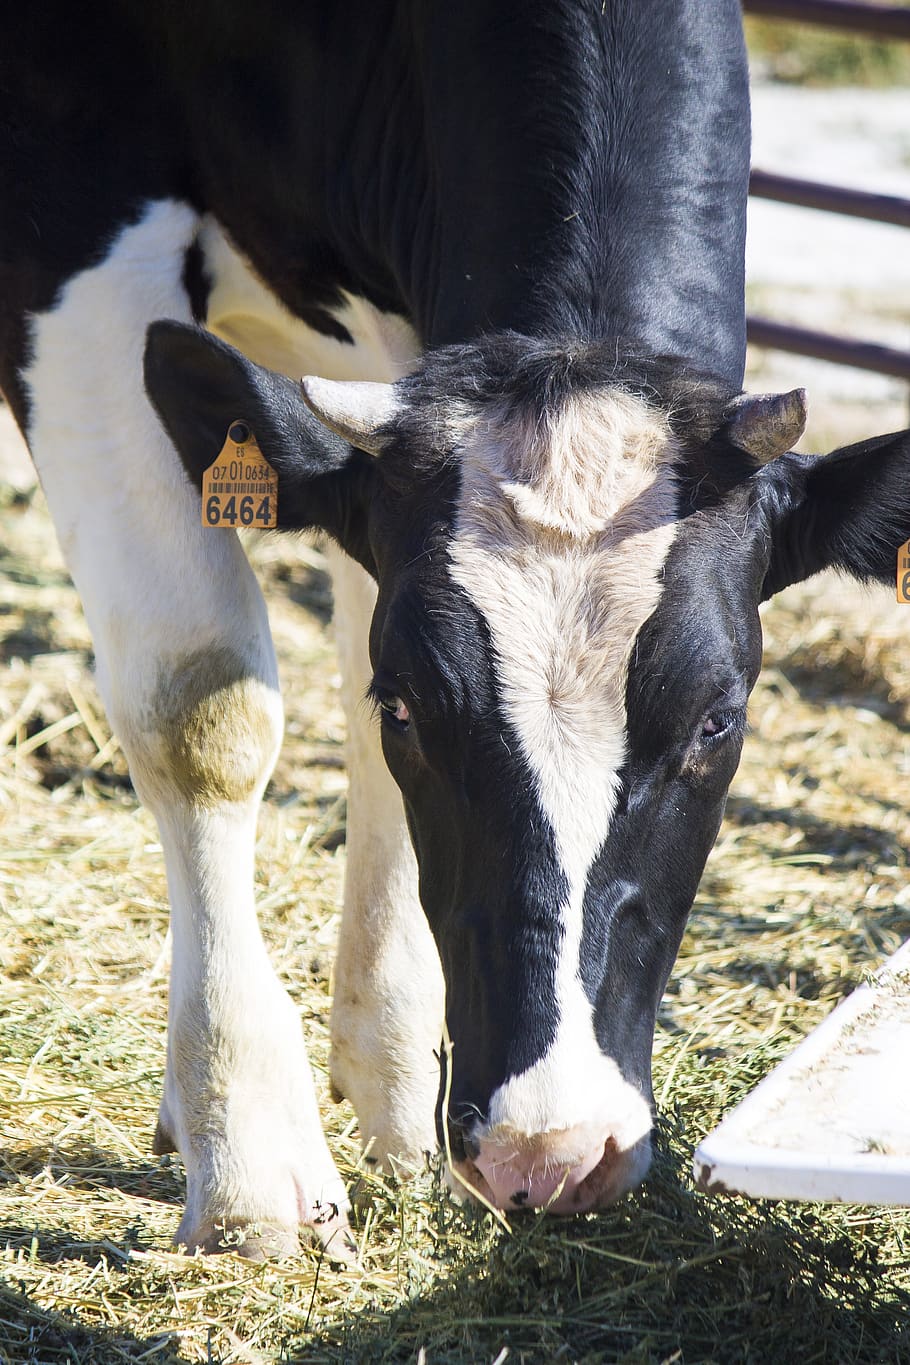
(510, 211)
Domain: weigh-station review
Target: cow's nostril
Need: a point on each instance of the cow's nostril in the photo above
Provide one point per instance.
(520, 1197)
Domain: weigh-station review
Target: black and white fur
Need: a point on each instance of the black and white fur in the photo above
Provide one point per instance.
(502, 216)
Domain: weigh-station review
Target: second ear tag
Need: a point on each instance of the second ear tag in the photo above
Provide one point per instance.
(903, 573)
(240, 488)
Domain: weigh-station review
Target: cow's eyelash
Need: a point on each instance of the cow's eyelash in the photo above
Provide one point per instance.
(377, 692)
(371, 697)
(389, 705)
(730, 722)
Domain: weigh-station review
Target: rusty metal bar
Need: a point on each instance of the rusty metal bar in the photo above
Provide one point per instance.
(810, 194)
(862, 355)
(876, 21)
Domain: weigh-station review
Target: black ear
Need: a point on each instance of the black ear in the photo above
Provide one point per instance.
(849, 510)
(199, 385)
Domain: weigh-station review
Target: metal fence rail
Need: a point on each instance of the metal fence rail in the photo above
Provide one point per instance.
(810, 194)
(883, 21)
(862, 355)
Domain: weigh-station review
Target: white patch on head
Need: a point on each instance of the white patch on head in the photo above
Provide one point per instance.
(574, 475)
(560, 538)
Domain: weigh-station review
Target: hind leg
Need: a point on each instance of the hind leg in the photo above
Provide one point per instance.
(187, 671)
(388, 1007)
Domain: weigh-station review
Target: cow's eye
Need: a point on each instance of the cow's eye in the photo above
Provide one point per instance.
(718, 724)
(394, 709)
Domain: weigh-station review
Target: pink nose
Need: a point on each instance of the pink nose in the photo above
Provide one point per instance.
(548, 1174)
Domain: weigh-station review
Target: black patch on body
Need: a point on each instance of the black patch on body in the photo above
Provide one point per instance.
(197, 281)
(87, 137)
(561, 167)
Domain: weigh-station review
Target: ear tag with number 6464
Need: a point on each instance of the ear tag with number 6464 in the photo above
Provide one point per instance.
(903, 574)
(240, 488)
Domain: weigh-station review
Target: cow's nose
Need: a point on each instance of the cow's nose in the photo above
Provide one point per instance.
(555, 1171)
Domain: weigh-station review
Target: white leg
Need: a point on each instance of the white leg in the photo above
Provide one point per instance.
(187, 672)
(388, 1007)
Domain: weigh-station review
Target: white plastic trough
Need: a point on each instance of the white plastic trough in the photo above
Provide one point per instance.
(832, 1121)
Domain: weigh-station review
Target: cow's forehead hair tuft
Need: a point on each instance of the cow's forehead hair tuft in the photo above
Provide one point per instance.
(572, 470)
(531, 381)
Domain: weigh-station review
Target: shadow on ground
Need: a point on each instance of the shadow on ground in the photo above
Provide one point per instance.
(848, 844)
(31, 1335)
(668, 1275)
(835, 675)
(85, 1167)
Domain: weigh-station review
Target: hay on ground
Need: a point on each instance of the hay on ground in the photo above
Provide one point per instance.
(806, 892)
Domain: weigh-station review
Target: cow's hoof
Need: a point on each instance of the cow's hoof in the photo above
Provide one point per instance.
(265, 1241)
(252, 1241)
(330, 1230)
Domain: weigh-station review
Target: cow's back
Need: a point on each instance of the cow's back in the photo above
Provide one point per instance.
(572, 168)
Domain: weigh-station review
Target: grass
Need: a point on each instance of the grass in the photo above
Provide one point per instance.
(806, 891)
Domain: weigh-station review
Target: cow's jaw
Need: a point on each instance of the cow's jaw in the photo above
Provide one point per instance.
(559, 542)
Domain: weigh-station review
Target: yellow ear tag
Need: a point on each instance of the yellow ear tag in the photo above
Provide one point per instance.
(241, 487)
(903, 574)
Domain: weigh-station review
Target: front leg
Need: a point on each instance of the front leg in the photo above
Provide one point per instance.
(239, 1103)
(187, 671)
(388, 1007)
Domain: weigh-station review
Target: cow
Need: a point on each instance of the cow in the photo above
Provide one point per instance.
(505, 243)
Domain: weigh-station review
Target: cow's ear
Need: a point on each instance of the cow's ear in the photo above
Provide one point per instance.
(199, 386)
(849, 510)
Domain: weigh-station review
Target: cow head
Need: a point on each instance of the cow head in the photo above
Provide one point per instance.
(570, 547)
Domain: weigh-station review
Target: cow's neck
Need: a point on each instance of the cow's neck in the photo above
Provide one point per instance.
(480, 166)
(638, 234)
(640, 231)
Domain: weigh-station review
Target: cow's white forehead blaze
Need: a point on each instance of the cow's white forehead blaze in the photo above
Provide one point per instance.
(560, 537)
(559, 541)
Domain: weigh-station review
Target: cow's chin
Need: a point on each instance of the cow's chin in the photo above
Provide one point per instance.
(615, 1174)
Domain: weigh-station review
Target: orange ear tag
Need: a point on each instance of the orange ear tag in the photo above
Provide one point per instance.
(241, 487)
(903, 574)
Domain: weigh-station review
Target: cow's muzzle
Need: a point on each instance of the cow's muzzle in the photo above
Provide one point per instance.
(574, 1170)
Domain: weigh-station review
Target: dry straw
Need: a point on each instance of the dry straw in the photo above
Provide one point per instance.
(805, 893)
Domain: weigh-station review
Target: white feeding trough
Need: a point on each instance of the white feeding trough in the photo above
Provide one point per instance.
(832, 1121)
